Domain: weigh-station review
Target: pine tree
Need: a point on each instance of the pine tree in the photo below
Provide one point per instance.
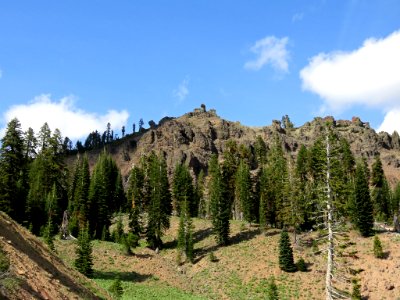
(260, 149)
(243, 197)
(84, 261)
(286, 262)
(272, 290)
(46, 170)
(203, 209)
(185, 234)
(380, 191)
(182, 188)
(116, 289)
(13, 171)
(363, 209)
(228, 171)
(48, 234)
(220, 205)
(160, 207)
(378, 251)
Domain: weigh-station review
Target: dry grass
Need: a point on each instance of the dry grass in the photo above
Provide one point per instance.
(243, 268)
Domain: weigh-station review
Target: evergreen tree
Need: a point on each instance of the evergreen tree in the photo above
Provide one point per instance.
(301, 178)
(84, 261)
(220, 206)
(286, 262)
(185, 234)
(183, 190)
(272, 290)
(260, 149)
(46, 170)
(48, 234)
(203, 210)
(243, 197)
(12, 171)
(79, 193)
(228, 171)
(274, 193)
(116, 289)
(378, 251)
(380, 191)
(160, 207)
(363, 208)
(135, 193)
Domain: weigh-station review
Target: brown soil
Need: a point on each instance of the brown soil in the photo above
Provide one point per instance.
(38, 273)
(251, 258)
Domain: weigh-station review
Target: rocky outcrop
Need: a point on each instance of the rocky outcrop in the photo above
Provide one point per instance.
(195, 136)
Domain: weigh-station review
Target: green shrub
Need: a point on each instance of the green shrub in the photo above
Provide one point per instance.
(356, 294)
(116, 289)
(301, 265)
(378, 251)
(272, 290)
(4, 261)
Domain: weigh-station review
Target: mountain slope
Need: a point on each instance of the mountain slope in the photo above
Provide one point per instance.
(193, 137)
(37, 273)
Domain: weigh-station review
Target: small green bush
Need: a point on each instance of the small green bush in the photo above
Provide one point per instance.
(378, 251)
(272, 290)
(4, 261)
(212, 257)
(116, 289)
(356, 294)
(301, 265)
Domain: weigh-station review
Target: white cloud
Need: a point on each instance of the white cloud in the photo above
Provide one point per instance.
(368, 76)
(270, 50)
(182, 91)
(391, 122)
(64, 115)
(297, 17)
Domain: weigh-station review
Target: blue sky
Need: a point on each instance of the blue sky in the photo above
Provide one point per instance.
(81, 64)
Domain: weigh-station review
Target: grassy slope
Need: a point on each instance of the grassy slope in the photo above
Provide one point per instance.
(242, 270)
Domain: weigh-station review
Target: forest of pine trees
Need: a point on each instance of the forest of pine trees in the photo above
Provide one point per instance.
(255, 184)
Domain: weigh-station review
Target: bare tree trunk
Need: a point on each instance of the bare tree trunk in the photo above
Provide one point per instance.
(329, 209)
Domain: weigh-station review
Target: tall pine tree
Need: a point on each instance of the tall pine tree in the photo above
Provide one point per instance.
(220, 205)
(363, 218)
(12, 171)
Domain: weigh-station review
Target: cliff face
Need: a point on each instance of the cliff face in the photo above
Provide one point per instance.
(195, 136)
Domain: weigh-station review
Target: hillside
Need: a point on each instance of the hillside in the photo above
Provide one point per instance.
(243, 268)
(35, 272)
(193, 137)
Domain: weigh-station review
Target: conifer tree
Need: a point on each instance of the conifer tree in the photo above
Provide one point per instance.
(260, 149)
(274, 188)
(228, 171)
(380, 191)
(160, 207)
(185, 234)
(116, 289)
(220, 205)
(48, 234)
(243, 197)
(286, 262)
(378, 251)
(203, 210)
(84, 260)
(12, 171)
(182, 188)
(46, 170)
(272, 290)
(363, 209)
(135, 193)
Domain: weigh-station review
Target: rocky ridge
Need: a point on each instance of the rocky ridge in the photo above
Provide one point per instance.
(195, 136)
